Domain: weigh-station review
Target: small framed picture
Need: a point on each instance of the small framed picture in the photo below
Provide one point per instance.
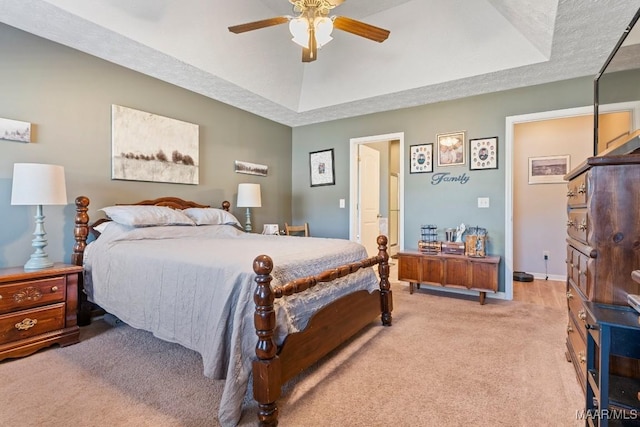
(321, 168)
(451, 149)
(548, 169)
(421, 158)
(483, 153)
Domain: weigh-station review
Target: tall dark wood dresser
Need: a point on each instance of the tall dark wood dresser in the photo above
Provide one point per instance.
(603, 247)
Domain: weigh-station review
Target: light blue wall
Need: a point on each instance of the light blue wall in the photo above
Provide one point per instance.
(67, 96)
(446, 204)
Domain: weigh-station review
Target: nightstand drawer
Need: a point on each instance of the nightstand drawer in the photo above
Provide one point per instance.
(32, 293)
(29, 323)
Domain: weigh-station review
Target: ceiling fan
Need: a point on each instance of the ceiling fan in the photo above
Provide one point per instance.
(312, 27)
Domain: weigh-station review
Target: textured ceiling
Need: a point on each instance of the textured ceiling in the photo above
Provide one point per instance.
(438, 49)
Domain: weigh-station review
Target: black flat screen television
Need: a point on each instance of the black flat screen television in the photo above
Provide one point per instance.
(618, 79)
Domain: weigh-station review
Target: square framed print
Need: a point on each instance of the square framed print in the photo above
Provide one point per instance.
(548, 169)
(421, 158)
(483, 153)
(321, 168)
(451, 149)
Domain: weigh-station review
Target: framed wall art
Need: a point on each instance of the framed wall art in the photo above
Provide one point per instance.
(451, 151)
(421, 158)
(548, 169)
(483, 153)
(149, 147)
(321, 168)
(15, 130)
(250, 168)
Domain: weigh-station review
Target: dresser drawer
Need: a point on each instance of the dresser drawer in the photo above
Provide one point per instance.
(577, 224)
(578, 270)
(576, 309)
(32, 293)
(577, 350)
(32, 322)
(577, 191)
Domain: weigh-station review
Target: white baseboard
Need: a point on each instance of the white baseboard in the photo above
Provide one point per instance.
(543, 276)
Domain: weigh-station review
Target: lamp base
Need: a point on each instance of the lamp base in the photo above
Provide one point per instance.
(39, 259)
(38, 262)
(247, 227)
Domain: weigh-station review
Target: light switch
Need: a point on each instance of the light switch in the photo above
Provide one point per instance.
(483, 202)
(341, 203)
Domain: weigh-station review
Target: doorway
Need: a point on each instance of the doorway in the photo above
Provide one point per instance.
(511, 123)
(392, 164)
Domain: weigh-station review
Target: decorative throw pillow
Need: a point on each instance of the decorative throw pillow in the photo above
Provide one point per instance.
(146, 216)
(211, 216)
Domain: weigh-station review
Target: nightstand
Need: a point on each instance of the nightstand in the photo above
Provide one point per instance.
(38, 309)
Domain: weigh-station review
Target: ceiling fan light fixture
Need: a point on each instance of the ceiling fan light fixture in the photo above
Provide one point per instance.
(324, 27)
(299, 29)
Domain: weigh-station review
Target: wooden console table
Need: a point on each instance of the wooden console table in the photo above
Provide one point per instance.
(459, 271)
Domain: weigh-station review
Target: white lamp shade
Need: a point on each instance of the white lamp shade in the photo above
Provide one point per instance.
(38, 184)
(299, 29)
(324, 27)
(249, 196)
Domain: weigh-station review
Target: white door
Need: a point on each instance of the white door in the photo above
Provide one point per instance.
(369, 197)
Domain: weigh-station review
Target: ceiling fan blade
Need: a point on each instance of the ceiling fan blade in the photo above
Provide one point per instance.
(360, 29)
(336, 2)
(250, 26)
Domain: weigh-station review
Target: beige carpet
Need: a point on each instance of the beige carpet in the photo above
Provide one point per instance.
(446, 361)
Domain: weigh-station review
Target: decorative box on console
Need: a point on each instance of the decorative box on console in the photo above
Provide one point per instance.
(453, 248)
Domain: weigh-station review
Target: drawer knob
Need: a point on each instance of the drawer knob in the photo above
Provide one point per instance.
(582, 189)
(583, 225)
(54, 289)
(570, 193)
(569, 295)
(26, 324)
(570, 223)
(582, 315)
(569, 329)
(582, 357)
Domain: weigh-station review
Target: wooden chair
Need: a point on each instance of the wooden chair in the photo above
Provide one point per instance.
(293, 230)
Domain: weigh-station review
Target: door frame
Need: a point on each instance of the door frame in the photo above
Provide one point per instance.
(354, 229)
(510, 123)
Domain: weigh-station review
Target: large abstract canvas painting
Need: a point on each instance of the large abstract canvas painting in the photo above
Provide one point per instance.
(149, 147)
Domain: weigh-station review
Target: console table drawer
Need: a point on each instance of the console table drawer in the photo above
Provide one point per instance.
(460, 271)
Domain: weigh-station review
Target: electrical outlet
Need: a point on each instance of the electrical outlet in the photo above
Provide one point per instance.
(545, 255)
(483, 202)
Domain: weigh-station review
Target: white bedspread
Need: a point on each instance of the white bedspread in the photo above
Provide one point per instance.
(194, 286)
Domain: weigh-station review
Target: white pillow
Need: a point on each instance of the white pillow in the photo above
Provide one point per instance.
(100, 228)
(211, 216)
(145, 216)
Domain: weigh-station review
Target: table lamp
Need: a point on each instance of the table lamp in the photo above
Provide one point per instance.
(249, 197)
(38, 184)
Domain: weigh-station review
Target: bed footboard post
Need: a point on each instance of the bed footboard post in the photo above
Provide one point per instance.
(267, 375)
(386, 300)
(80, 234)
